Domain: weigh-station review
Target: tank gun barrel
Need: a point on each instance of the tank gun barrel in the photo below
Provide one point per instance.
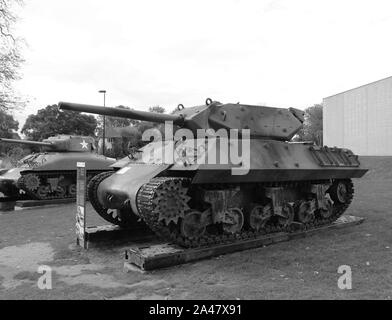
(123, 113)
(27, 142)
(261, 121)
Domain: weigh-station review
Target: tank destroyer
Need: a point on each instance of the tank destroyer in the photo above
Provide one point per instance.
(197, 191)
(51, 173)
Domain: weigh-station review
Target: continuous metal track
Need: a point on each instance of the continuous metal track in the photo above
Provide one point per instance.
(147, 206)
(43, 175)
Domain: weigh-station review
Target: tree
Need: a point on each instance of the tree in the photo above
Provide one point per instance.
(52, 121)
(7, 127)
(313, 125)
(124, 122)
(145, 125)
(131, 133)
(115, 121)
(10, 57)
(157, 109)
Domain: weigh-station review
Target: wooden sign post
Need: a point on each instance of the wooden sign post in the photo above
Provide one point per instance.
(81, 204)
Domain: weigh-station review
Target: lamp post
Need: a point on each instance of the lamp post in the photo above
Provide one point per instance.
(104, 121)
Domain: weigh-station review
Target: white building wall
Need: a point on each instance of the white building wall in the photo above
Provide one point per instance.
(360, 119)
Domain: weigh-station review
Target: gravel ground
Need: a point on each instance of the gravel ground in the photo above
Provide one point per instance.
(299, 269)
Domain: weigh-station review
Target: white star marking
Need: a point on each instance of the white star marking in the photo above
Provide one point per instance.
(84, 144)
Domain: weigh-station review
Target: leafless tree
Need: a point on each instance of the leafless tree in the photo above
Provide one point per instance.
(10, 56)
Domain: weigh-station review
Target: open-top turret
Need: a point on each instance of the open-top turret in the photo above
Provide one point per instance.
(263, 122)
(220, 187)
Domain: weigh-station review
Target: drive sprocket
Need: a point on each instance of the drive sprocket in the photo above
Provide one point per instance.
(31, 181)
(171, 201)
(162, 202)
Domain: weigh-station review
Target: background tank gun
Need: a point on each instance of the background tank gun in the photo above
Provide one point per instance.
(263, 122)
(26, 142)
(60, 143)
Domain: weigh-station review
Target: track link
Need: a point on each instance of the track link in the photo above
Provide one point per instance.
(147, 206)
(52, 174)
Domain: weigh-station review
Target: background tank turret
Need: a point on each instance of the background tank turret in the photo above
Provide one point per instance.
(255, 184)
(51, 173)
(263, 122)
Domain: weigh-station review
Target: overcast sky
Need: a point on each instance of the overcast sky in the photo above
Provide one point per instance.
(281, 53)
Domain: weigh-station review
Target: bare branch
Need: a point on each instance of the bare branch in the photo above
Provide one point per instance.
(10, 57)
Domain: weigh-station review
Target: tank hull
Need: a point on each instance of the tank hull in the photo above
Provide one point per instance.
(278, 175)
(50, 175)
(269, 161)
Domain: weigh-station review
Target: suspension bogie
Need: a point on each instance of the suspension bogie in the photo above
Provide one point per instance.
(224, 212)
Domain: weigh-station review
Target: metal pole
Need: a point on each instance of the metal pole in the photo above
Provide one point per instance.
(104, 124)
(104, 121)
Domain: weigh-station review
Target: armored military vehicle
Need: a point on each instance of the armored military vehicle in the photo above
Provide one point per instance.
(51, 174)
(200, 198)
